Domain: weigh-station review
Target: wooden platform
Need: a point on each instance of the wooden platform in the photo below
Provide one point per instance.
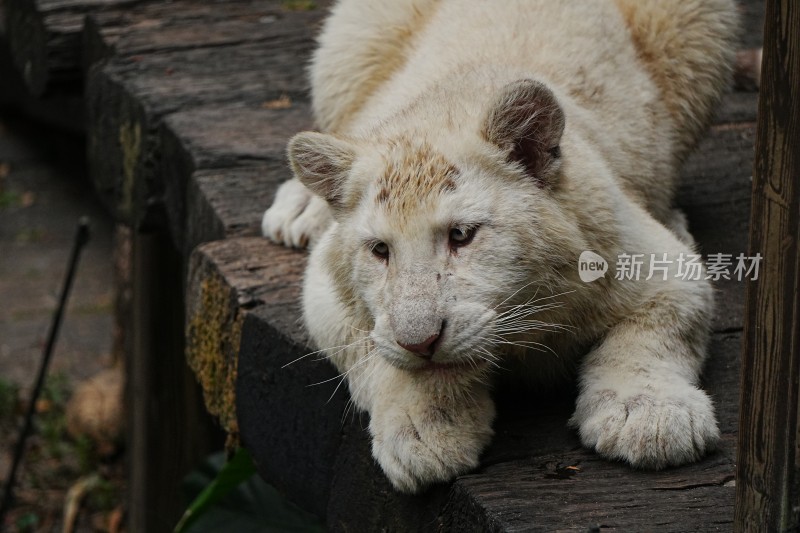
(189, 105)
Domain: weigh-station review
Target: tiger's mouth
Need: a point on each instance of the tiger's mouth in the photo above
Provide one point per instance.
(450, 367)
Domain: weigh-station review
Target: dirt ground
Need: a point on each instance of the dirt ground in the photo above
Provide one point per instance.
(43, 192)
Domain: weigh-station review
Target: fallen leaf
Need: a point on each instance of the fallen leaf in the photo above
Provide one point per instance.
(283, 102)
(74, 498)
(116, 520)
(28, 199)
(43, 406)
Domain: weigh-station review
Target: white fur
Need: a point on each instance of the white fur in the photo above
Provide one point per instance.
(424, 103)
(297, 217)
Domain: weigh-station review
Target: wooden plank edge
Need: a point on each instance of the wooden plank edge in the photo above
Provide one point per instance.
(46, 41)
(226, 280)
(768, 472)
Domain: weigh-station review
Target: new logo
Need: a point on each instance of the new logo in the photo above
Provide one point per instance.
(591, 266)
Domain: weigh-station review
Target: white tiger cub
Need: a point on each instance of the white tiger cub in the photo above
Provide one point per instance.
(472, 151)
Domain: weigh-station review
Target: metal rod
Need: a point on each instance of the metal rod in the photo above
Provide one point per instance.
(81, 238)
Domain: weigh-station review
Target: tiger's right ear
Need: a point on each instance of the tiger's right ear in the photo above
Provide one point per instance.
(322, 163)
(527, 122)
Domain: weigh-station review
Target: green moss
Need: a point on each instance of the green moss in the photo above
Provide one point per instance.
(130, 139)
(213, 337)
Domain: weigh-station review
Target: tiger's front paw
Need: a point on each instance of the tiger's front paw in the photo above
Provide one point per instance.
(297, 217)
(646, 425)
(416, 449)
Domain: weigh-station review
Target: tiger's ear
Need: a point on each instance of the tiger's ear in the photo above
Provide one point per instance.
(322, 163)
(526, 121)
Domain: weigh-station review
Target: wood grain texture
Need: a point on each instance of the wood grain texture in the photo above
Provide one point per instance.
(224, 139)
(137, 84)
(143, 66)
(47, 42)
(768, 474)
(149, 27)
(45, 39)
(229, 202)
(227, 279)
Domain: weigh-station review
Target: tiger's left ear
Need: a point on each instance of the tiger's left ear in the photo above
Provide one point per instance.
(526, 121)
(322, 162)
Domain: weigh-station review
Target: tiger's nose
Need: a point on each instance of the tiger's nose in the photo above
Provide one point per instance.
(424, 349)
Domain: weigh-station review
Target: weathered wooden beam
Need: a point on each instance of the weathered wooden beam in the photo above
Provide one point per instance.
(768, 474)
(157, 26)
(227, 280)
(229, 202)
(45, 39)
(129, 94)
(143, 66)
(63, 110)
(224, 139)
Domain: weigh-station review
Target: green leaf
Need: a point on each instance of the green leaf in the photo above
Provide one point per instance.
(238, 469)
(27, 522)
(230, 498)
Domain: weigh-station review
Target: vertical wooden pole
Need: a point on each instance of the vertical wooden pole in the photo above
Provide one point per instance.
(768, 475)
(168, 431)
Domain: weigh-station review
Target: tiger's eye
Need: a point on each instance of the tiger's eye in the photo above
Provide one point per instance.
(461, 236)
(380, 250)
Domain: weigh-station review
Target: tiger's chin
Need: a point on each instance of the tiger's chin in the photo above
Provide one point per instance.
(452, 368)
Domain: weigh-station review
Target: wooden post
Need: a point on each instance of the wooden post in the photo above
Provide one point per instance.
(768, 475)
(168, 431)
